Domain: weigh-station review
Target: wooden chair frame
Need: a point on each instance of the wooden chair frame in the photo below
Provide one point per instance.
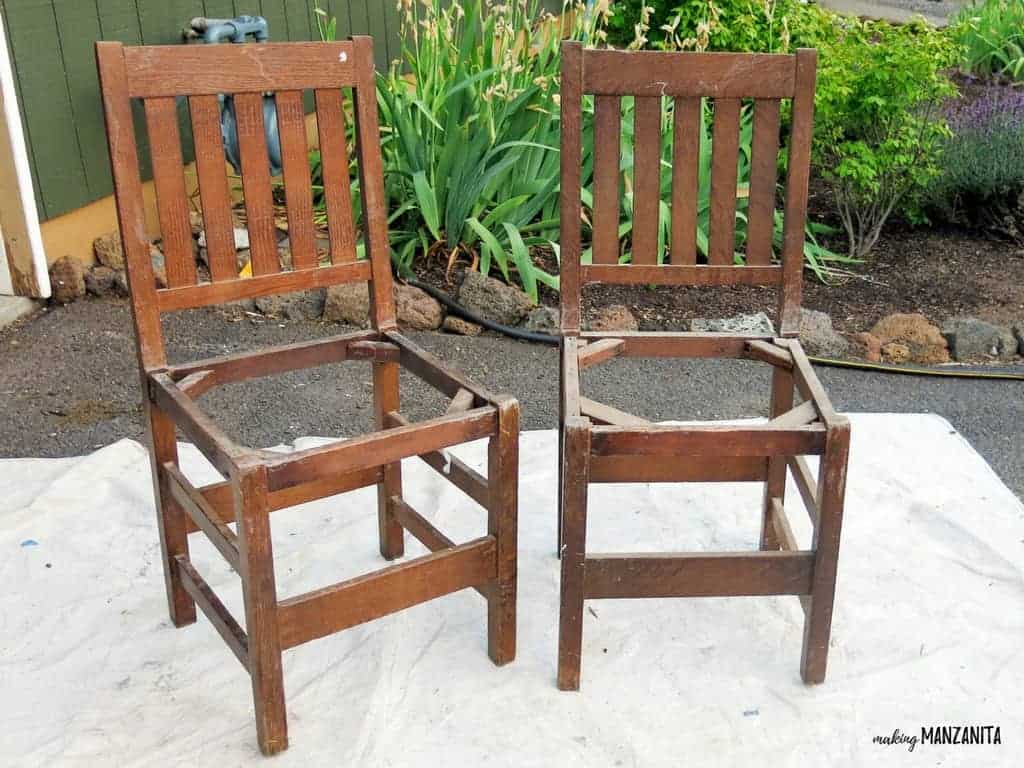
(258, 482)
(601, 444)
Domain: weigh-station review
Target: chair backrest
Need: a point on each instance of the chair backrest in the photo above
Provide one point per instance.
(727, 79)
(158, 76)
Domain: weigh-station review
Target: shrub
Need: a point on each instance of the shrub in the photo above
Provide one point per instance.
(878, 127)
(991, 34)
(982, 179)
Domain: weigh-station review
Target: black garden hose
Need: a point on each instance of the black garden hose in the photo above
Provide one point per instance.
(553, 340)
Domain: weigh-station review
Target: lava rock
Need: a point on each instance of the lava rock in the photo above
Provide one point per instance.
(348, 303)
(924, 341)
(896, 352)
(1018, 331)
(300, 305)
(101, 281)
(868, 346)
(818, 336)
(108, 251)
(543, 320)
(493, 299)
(156, 257)
(417, 309)
(614, 317)
(453, 324)
(758, 323)
(971, 339)
(67, 280)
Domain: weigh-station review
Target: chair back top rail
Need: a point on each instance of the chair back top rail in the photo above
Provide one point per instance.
(728, 80)
(170, 79)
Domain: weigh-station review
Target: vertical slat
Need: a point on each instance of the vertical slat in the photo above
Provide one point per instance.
(569, 195)
(607, 130)
(371, 182)
(259, 202)
(330, 122)
(213, 186)
(169, 180)
(796, 193)
(298, 191)
(724, 158)
(124, 160)
(685, 179)
(763, 164)
(386, 399)
(775, 483)
(502, 513)
(646, 178)
(573, 551)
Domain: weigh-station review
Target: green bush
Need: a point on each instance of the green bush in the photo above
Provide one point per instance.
(991, 34)
(878, 129)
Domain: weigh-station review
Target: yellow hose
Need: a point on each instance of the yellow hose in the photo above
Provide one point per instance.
(953, 373)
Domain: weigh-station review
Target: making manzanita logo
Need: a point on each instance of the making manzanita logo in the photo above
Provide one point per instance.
(943, 734)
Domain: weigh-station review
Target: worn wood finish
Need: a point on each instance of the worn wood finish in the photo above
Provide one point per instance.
(601, 444)
(724, 157)
(607, 179)
(234, 514)
(646, 178)
(171, 70)
(570, 206)
(365, 598)
(213, 186)
(763, 162)
(214, 610)
(713, 574)
(685, 179)
(169, 181)
(797, 176)
(298, 194)
(386, 400)
(718, 274)
(259, 203)
(236, 289)
(334, 154)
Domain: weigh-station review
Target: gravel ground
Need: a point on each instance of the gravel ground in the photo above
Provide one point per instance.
(68, 384)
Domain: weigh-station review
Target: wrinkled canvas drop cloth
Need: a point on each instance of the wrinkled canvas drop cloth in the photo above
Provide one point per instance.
(928, 629)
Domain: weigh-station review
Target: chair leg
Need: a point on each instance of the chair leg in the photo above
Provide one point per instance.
(259, 591)
(775, 484)
(831, 492)
(502, 481)
(170, 516)
(561, 447)
(574, 541)
(385, 399)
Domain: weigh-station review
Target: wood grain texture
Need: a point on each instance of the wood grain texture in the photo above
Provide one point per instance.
(334, 160)
(215, 611)
(298, 194)
(169, 181)
(763, 169)
(678, 344)
(570, 206)
(715, 75)
(170, 70)
(708, 440)
(386, 400)
(213, 186)
(805, 485)
(364, 598)
(599, 413)
(572, 550)
(607, 179)
(713, 574)
(202, 513)
(259, 203)
(676, 469)
(646, 178)
(672, 274)
(724, 157)
(686, 138)
(599, 352)
(502, 525)
(775, 482)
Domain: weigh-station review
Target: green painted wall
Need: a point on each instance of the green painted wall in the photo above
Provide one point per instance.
(51, 45)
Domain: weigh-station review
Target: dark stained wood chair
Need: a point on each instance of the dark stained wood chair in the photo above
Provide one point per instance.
(601, 444)
(234, 514)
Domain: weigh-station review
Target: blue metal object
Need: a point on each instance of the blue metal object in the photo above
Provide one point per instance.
(236, 31)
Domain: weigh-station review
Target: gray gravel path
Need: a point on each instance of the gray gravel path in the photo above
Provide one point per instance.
(68, 384)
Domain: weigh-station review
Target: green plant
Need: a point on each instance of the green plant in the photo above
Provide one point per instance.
(878, 128)
(991, 34)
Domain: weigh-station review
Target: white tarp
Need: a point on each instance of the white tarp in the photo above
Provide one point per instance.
(928, 629)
